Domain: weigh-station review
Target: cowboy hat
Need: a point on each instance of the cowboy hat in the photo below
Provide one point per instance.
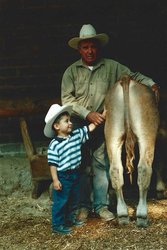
(88, 32)
(54, 111)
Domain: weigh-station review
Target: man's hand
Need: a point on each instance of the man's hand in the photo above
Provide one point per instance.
(96, 118)
(155, 89)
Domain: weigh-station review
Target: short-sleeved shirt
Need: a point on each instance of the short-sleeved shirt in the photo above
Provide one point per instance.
(86, 89)
(65, 153)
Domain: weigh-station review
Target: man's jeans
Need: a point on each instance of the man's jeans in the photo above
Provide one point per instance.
(94, 179)
(65, 201)
(100, 180)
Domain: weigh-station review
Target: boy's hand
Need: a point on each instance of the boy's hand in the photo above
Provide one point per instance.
(57, 185)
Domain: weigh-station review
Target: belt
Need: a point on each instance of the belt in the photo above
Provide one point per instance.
(71, 170)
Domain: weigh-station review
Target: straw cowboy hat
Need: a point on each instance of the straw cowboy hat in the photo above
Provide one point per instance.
(87, 32)
(54, 111)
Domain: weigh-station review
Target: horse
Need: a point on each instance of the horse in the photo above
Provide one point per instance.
(132, 117)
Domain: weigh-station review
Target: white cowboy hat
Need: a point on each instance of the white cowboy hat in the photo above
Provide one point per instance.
(88, 32)
(54, 111)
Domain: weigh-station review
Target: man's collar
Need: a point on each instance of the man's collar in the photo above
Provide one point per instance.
(99, 62)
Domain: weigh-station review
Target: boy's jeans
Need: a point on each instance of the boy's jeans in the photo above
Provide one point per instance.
(65, 201)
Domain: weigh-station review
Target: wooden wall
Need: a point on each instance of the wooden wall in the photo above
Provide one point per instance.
(34, 51)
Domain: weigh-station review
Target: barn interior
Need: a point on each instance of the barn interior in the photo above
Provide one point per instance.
(34, 54)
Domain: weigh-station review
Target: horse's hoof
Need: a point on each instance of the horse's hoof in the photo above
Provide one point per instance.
(142, 222)
(123, 220)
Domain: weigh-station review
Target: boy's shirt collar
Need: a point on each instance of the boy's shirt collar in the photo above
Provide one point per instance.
(60, 139)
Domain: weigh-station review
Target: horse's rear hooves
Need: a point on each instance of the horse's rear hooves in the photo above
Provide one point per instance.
(142, 222)
(123, 220)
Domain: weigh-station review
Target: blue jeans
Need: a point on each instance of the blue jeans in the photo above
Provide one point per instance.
(94, 179)
(65, 201)
(100, 166)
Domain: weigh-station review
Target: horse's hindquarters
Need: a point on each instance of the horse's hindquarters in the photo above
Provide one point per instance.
(131, 109)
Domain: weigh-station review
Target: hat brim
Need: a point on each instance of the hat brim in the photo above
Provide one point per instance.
(48, 131)
(103, 39)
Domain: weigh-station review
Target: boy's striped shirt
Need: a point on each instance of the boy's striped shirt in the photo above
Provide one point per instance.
(65, 153)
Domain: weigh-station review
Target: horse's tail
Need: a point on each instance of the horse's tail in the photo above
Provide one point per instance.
(130, 137)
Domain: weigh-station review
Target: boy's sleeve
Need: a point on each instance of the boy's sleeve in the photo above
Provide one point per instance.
(84, 134)
(53, 158)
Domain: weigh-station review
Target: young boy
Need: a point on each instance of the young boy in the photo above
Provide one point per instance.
(64, 159)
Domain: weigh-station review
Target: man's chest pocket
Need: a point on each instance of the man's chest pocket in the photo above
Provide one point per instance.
(101, 86)
(81, 87)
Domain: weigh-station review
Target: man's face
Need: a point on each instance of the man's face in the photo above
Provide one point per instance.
(89, 51)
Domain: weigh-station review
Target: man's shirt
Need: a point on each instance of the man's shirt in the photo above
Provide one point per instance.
(86, 88)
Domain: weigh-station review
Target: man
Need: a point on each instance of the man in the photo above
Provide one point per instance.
(84, 85)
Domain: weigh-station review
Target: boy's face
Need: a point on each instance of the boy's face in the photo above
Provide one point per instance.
(64, 126)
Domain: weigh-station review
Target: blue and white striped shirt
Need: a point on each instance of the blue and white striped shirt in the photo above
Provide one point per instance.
(65, 153)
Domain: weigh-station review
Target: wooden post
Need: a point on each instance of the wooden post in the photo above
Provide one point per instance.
(30, 149)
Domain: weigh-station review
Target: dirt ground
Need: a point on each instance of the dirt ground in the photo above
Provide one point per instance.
(25, 224)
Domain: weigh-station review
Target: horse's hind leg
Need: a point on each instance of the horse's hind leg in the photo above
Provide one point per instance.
(116, 174)
(144, 178)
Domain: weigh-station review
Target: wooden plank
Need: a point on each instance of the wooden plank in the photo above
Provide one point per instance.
(26, 106)
(39, 168)
(40, 171)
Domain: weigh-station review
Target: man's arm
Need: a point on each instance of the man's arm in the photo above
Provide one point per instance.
(140, 78)
(68, 95)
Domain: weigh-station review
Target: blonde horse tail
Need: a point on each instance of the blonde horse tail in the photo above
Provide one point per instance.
(130, 138)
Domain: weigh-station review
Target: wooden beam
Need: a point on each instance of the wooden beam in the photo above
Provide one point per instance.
(21, 107)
